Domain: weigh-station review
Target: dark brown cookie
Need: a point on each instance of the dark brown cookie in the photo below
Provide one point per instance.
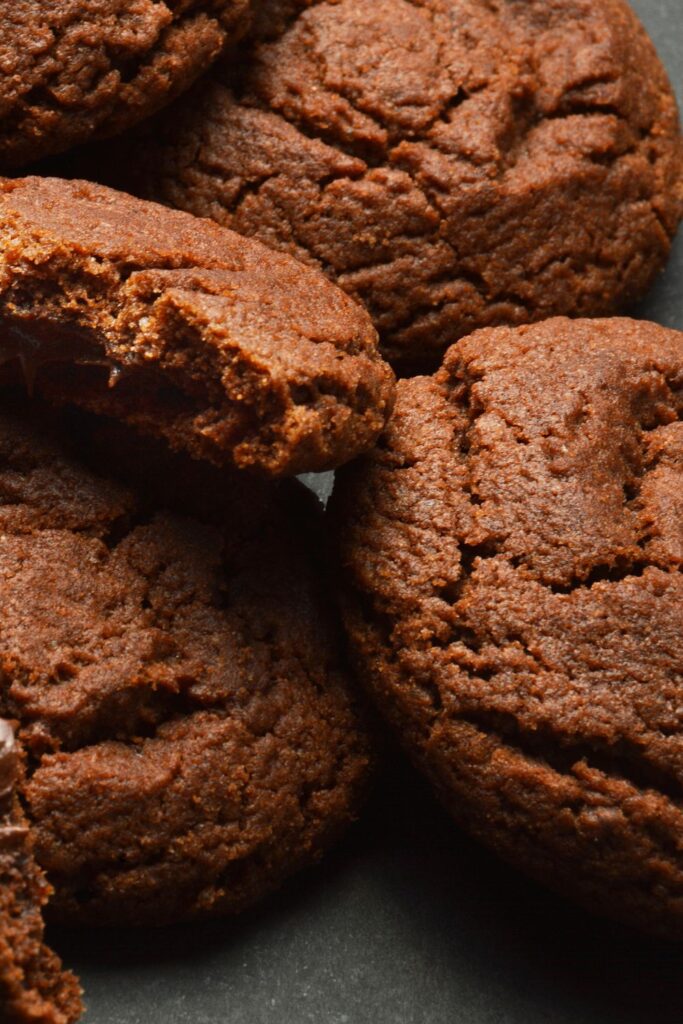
(453, 164)
(77, 69)
(229, 350)
(170, 654)
(33, 987)
(513, 550)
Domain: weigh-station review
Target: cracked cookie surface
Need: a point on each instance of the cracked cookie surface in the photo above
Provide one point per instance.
(33, 987)
(512, 554)
(169, 654)
(79, 69)
(227, 349)
(453, 164)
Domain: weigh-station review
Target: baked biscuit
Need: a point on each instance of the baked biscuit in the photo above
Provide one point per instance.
(79, 69)
(186, 330)
(168, 650)
(453, 164)
(512, 552)
(33, 987)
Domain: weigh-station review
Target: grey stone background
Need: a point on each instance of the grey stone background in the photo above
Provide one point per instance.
(407, 922)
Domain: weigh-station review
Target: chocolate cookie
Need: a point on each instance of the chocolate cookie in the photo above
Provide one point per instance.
(169, 652)
(77, 69)
(33, 987)
(227, 349)
(453, 164)
(512, 551)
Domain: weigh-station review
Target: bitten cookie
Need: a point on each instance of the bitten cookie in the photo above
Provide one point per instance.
(169, 652)
(453, 164)
(77, 69)
(227, 349)
(33, 987)
(512, 552)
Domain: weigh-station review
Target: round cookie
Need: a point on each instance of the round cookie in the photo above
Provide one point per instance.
(512, 553)
(77, 69)
(33, 987)
(168, 650)
(227, 349)
(453, 164)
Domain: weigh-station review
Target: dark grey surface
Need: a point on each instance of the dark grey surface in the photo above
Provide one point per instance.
(407, 922)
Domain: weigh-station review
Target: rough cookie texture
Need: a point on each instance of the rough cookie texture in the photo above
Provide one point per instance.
(453, 164)
(71, 70)
(512, 551)
(169, 652)
(229, 350)
(33, 987)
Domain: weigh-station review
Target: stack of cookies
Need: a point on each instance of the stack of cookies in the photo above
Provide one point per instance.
(205, 295)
